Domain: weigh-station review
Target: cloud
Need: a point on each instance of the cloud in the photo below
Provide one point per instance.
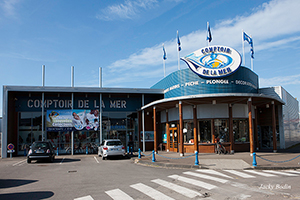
(128, 10)
(8, 7)
(272, 24)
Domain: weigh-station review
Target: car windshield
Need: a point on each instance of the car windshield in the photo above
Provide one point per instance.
(114, 143)
(40, 145)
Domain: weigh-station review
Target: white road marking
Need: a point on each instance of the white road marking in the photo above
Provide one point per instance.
(85, 198)
(241, 174)
(177, 188)
(20, 163)
(96, 159)
(193, 182)
(260, 173)
(280, 173)
(118, 194)
(206, 177)
(213, 172)
(154, 194)
(293, 171)
(62, 160)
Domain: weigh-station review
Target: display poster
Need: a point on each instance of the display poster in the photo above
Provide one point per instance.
(72, 120)
(149, 136)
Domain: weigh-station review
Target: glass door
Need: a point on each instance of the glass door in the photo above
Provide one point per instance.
(173, 139)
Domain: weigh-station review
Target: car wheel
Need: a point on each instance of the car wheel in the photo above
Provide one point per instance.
(28, 160)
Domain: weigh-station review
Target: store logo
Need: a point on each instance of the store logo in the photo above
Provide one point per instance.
(213, 61)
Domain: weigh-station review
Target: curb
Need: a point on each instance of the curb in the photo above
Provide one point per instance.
(146, 162)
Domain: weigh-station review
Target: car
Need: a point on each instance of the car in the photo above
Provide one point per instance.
(111, 147)
(41, 150)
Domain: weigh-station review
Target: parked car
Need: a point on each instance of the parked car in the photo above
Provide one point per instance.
(111, 147)
(41, 151)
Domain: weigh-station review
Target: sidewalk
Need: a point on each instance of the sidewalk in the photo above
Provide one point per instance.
(239, 160)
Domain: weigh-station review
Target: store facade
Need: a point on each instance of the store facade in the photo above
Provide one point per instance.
(72, 117)
(217, 99)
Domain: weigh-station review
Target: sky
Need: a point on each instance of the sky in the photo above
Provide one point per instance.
(125, 38)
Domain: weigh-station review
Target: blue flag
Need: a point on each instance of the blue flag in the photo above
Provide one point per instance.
(209, 36)
(250, 41)
(178, 42)
(165, 54)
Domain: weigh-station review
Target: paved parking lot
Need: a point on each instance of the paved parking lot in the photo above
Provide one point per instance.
(88, 177)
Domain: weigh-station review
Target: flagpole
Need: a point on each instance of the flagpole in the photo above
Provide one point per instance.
(251, 55)
(164, 63)
(178, 50)
(243, 48)
(164, 58)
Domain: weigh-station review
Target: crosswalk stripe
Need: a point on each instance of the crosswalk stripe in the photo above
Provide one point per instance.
(154, 194)
(260, 173)
(206, 177)
(118, 194)
(293, 171)
(241, 174)
(280, 173)
(193, 182)
(85, 198)
(177, 188)
(213, 172)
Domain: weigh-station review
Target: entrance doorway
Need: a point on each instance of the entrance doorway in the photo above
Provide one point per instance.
(173, 139)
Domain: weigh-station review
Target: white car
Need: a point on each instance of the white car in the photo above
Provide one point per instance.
(111, 147)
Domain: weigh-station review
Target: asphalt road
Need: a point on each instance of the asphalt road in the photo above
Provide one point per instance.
(88, 177)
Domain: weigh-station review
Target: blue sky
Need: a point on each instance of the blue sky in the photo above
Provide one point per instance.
(125, 38)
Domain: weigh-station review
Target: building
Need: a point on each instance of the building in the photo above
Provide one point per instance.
(215, 99)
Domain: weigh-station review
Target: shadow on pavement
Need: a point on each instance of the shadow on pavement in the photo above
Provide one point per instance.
(7, 183)
(27, 195)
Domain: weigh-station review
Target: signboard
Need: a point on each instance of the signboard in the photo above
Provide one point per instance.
(69, 120)
(213, 61)
(10, 146)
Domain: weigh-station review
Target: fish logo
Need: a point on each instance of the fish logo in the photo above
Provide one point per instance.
(213, 61)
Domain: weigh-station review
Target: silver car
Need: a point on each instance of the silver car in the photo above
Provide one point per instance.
(111, 147)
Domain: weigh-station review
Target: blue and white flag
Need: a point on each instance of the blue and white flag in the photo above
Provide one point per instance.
(165, 54)
(250, 41)
(178, 42)
(209, 36)
(247, 38)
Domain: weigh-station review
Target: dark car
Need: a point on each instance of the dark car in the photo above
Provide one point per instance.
(41, 151)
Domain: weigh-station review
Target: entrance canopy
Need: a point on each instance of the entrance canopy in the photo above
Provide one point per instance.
(258, 100)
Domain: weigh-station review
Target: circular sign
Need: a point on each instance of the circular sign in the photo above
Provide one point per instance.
(10, 146)
(213, 61)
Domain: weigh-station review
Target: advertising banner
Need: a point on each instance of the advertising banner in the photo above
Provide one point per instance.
(72, 120)
(149, 136)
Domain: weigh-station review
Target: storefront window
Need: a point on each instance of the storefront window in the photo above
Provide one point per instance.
(221, 129)
(205, 131)
(120, 125)
(241, 130)
(30, 130)
(188, 132)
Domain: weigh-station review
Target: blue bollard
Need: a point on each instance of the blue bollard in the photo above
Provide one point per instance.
(57, 151)
(131, 150)
(153, 156)
(139, 153)
(196, 159)
(86, 150)
(127, 149)
(25, 153)
(254, 163)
